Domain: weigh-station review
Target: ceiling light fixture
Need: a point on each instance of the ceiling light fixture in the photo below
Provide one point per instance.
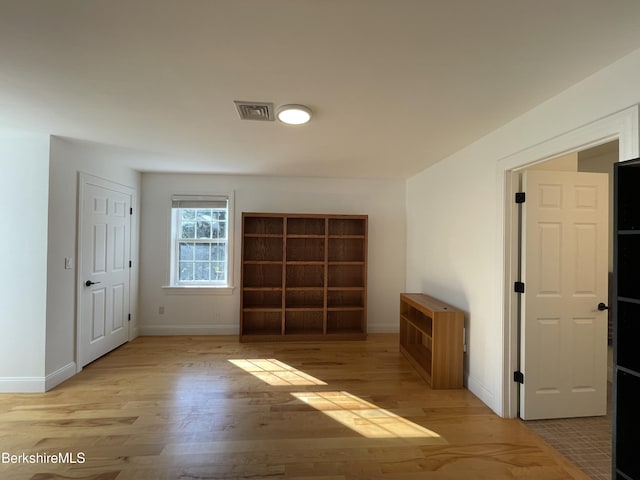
(294, 114)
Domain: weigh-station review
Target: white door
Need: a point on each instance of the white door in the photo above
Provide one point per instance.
(564, 268)
(105, 245)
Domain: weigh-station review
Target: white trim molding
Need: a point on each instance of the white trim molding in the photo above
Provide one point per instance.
(62, 374)
(22, 384)
(622, 126)
(37, 384)
(160, 330)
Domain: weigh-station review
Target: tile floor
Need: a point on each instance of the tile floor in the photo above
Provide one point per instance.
(584, 441)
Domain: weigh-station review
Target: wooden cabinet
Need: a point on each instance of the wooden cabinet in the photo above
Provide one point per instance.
(432, 339)
(626, 325)
(304, 277)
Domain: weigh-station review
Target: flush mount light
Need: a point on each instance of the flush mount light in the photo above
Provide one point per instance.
(294, 114)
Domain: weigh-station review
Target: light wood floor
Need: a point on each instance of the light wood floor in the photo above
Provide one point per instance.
(179, 408)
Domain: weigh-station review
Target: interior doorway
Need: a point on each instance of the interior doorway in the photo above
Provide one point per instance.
(592, 452)
(622, 126)
(104, 267)
(596, 159)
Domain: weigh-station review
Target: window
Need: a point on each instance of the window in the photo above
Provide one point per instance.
(200, 240)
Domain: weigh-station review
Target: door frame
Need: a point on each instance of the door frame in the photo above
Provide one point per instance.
(88, 179)
(621, 126)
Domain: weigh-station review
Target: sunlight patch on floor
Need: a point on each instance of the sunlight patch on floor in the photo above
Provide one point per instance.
(275, 372)
(363, 417)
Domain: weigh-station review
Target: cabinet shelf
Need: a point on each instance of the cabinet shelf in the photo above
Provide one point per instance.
(262, 333)
(262, 262)
(629, 300)
(262, 289)
(431, 339)
(262, 309)
(423, 324)
(263, 235)
(296, 235)
(304, 276)
(304, 289)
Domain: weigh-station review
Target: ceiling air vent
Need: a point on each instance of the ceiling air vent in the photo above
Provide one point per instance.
(255, 110)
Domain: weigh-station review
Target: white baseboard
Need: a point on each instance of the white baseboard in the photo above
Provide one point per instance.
(159, 330)
(483, 393)
(21, 384)
(56, 378)
(37, 384)
(134, 332)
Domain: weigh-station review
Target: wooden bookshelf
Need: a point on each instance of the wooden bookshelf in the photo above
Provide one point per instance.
(626, 312)
(432, 339)
(304, 277)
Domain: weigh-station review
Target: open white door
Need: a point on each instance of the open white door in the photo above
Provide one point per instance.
(105, 244)
(564, 268)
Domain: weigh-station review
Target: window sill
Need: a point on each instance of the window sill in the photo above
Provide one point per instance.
(197, 290)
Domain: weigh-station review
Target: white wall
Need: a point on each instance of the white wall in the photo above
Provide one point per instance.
(24, 160)
(455, 217)
(69, 157)
(383, 201)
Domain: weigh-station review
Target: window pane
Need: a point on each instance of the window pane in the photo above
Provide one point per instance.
(202, 251)
(218, 252)
(186, 251)
(204, 230)
(218, 215)
(204, 214)
(186, 271)
(218, 271)
(188, 230)
(219, 229)
(202, 271)
(188, 214)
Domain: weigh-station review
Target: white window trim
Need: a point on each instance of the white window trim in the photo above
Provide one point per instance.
(208, 289)
(198, 290)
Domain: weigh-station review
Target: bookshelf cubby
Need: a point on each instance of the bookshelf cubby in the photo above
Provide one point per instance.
(304, 277)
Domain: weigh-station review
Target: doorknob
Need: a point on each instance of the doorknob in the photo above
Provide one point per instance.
(88, 283)
(602, 307)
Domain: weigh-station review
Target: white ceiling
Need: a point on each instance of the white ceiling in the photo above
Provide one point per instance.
(395, 85)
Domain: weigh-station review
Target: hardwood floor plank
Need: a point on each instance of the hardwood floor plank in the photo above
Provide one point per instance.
(212, 408)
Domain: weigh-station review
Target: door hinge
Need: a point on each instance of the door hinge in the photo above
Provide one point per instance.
(518, 287)
(518, 377)
(129, 318)
(131, 211)
(520, 197)
(129, 263)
